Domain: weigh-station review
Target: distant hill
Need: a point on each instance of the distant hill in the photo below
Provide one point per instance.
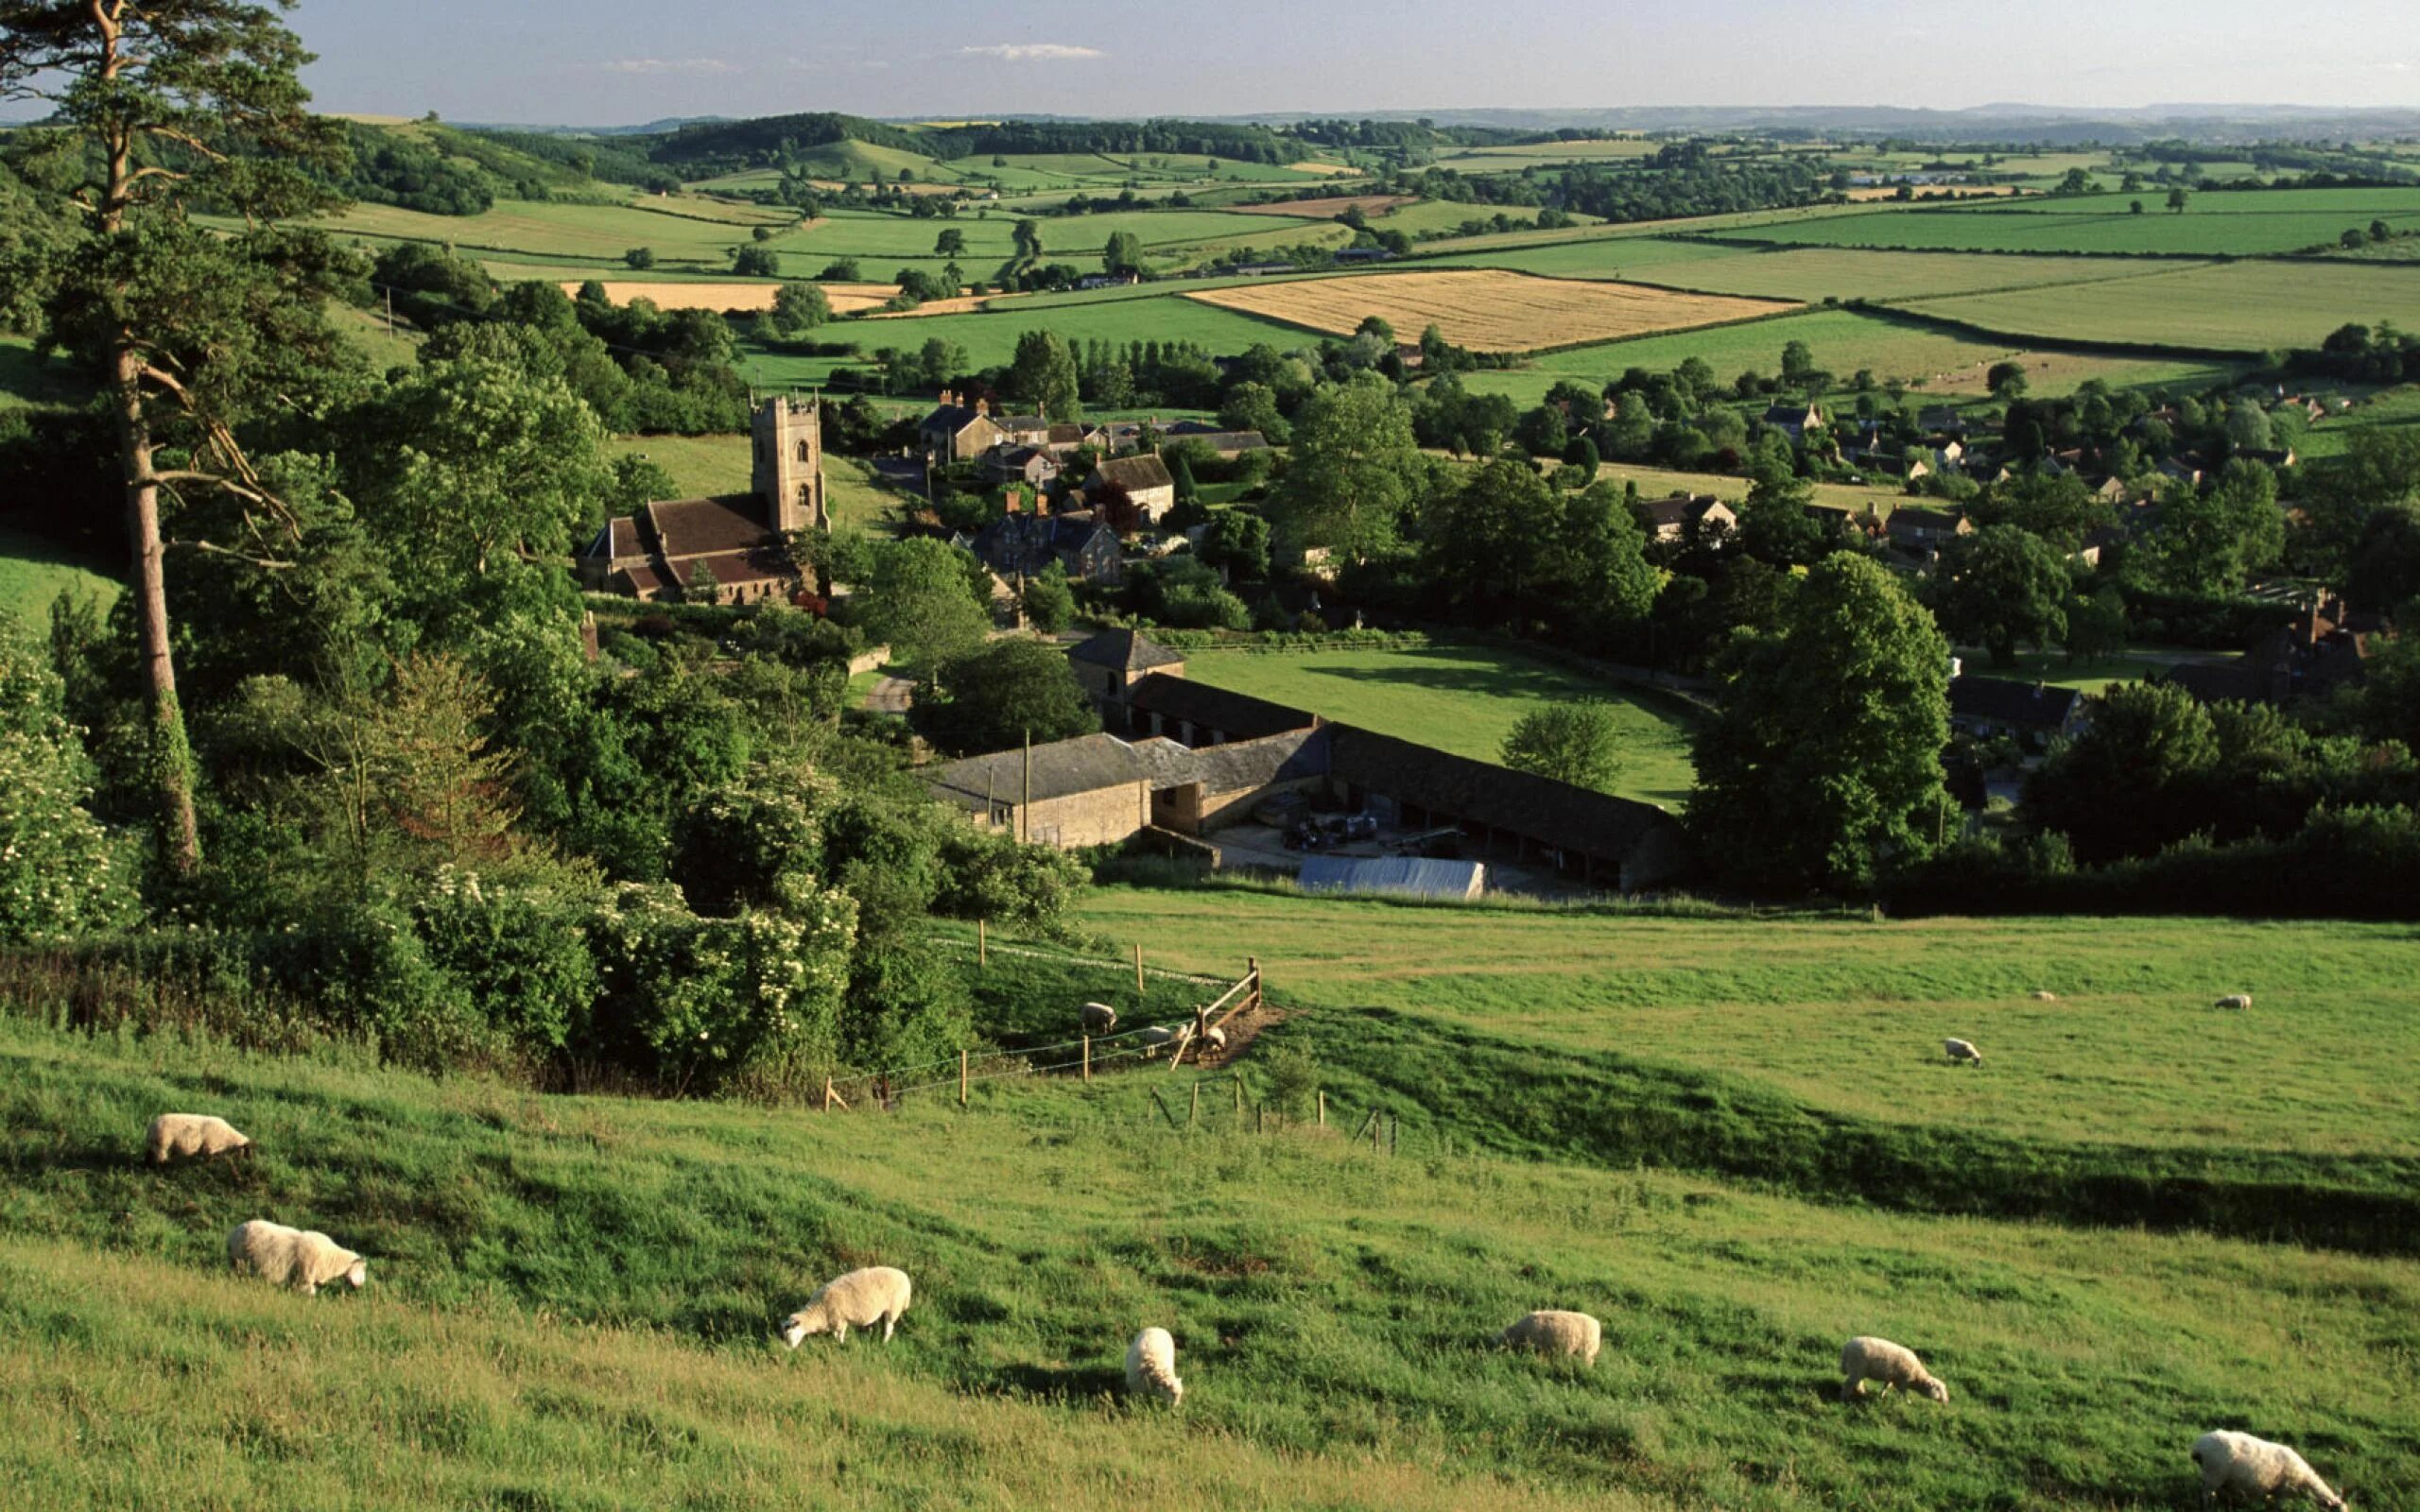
(1983, 123)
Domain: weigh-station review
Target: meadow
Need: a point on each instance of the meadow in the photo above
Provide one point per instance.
(2246, 307)
(30, 380)
(570, 1298)
(1485, 309)
(34, 570)
(1811, 274)
(2239, 225)
(1460, 699)
(991, 337)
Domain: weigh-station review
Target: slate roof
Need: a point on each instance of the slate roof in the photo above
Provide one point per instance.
(2003, 701)
(1125, 651)
(1089, 764)
(1136, 474)
(1235, 715)
(1548, 812)
(699, 528)
(1677, 508)
(1396, 876)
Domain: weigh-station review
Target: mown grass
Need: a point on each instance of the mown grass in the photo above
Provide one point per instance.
(2248, 306)
(1462, 698)
(990, 337)
(570, 1299)
(2242, 225)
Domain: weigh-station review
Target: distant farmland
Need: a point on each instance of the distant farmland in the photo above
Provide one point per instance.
(2243, 224)
(2245, 307)
(1487, 309)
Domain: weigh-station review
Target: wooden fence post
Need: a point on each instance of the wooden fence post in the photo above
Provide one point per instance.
(1239, 1097)
(962, 1078)
(1260, 1119)
(1138, 971)
(982, 945)
(1193, 1108)
(1088, 1059)
(1251, 964)
(1322, 1107)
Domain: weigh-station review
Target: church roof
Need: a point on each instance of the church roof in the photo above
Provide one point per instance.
(701, 527)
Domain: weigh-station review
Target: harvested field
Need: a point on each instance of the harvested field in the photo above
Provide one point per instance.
(1955, 191)
(1487, 309)
(737, 296)
(1330, 207)
(1324, 168)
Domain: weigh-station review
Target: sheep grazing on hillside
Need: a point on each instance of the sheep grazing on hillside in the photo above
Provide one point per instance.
(1962, 1050)
(1549, 1332)
(194, 1137)
(1864, 1359)
(1099, 1017)
(301, 1258)
(2241, 1465)
(2236, 1000)
(2040, 995)
(1151, 1367)
(1161, 1037)
(860, 1299)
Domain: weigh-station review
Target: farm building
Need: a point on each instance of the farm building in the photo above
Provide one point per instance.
(1196, 713)
(1396, 876)
(670, 548)
(1146, 480)
(1113, 662)
(1673, 515)
(1101, 790)
(1228, 445)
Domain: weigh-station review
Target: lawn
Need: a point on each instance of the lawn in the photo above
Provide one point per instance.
(2247, 306)
(2392, 408)
(2088, 675)
(1659, 482)
(1460, 699)
(569, 1297)
(35, 570)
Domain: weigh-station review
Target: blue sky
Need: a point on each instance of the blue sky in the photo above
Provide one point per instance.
(614, 62)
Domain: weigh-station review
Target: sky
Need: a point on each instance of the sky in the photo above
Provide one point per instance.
(601, 62)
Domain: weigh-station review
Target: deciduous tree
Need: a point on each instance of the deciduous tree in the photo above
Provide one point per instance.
(1575, 743)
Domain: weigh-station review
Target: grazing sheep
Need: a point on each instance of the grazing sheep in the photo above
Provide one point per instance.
(2236, 1000)
(1099, 1017)
(1151, 1367)
(1554, 1333)
(1864, 1359)
(1165, 1036)
(302, 1259)
(1962, 1050)
(193, 1136)
(2042, 996)
(1215, 1041)
(860, 1299)
(2258, 1469)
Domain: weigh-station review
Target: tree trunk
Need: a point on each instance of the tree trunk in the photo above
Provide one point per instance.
(171, 757)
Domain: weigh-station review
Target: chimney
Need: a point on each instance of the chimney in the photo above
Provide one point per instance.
(983, 406)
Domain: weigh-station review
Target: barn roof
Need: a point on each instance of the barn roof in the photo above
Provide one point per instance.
(2004, 701)
(1396, 876)
(1236, 716)
(1543, 810)
(1125, 651)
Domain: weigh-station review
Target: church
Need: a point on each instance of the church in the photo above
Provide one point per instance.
(735, 545)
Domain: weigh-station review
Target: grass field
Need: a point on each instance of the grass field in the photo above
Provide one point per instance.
(2249, 306)
(1842, 342)
(1485, 309)
(1462, 698)
(1661, 482)
(708, 465)
(2240, 225)
(2392, 408)
(991, 338)
(31, 382)
(569, 1297)
(1609, 257)
(35, 570)
(1811, 274)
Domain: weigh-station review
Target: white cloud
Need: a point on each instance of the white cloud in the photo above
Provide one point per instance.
(1020, 52)
(670, 65)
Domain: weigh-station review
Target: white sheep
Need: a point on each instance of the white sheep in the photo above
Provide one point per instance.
(1099, 1017)
(1554, 1333)
(1151, 1367)
(2041, 995)
(1962, 1050)
(193, 1136)
(2235, 1000)
(303, 1259)
(2254, 1468)
(860, 1299)
(1864, 1359)
(1214, 1039)
(1161, 1037)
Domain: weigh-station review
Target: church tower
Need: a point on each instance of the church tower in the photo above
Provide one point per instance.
(789, 464)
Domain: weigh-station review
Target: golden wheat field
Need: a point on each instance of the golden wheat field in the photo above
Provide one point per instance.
(727, 296)
(1488, 309)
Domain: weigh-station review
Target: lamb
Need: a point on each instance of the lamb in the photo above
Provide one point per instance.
(2235, 1000)
(1554, 1333)
(1151, 1367)
(303, 1259)
(1864, 1359)
(2041, 995)
(195, 1136)
(1962, 1050)
(860, 1299)
(1099, 1017)
(2256, 1468)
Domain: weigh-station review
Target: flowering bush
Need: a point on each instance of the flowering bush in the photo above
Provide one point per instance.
(63, 873)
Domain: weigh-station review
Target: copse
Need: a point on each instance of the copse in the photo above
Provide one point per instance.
(1826, 760)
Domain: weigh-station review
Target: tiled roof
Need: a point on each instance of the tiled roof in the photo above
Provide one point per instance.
(699, 527)
(1125, 651)
(1236, 716)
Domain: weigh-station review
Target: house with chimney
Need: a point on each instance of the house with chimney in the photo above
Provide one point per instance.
(1669, 518)
(955, 432)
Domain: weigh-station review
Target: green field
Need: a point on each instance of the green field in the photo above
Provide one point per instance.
(1462, 698)
(2241, 225)
(1661, 482)
(595, 234)
(1844, 341)
(569, 1297)
(28, 380)
(1098, 172)
(1813, 274)
(35, 570)
(2392, 408)
(2246, 307)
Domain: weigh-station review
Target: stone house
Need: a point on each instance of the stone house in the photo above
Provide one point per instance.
(958, 432)
(1672, 517)
(1113, 662)
(1146, 480)
(1100, 790)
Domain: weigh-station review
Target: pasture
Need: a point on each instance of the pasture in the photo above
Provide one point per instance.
(577, 1290)
(1462, 699)
(30, 380)
(1485, 309)
(2246, 306)
(2246, 224)
(991, 337)
(1812, 274)
(34, 570)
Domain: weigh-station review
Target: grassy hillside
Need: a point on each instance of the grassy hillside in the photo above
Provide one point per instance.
(1462, 698)
(34, 570)
(570, 1298)
(2244, 306)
